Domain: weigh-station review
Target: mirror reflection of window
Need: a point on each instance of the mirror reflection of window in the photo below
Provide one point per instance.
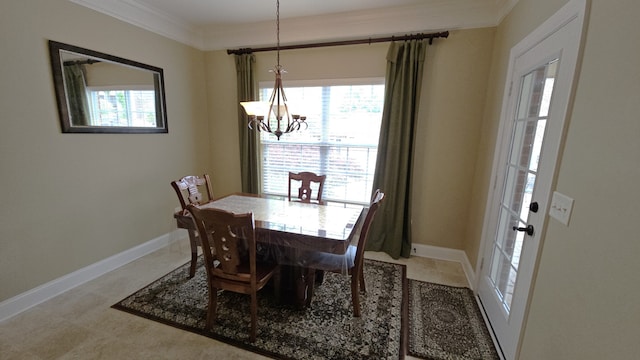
(122, 107)
(116, 96)
(97, 92)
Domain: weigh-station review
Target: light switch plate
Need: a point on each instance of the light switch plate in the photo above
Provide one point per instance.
(561, 206)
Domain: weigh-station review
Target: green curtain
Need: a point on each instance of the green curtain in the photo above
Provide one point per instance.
(391, 230)
(76, 88)
(249, 139)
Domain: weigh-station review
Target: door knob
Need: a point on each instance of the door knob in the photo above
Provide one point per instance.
(528, 229)
(534, 207)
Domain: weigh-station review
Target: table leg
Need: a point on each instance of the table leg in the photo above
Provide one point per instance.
(304, 279)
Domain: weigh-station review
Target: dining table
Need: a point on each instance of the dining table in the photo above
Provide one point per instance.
(288, 230)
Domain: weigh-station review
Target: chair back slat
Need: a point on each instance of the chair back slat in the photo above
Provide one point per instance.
(305, 191)
(190, 190)
(228, 241)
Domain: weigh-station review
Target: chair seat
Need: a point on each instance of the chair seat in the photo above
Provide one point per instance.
(331, 262)
(263, 270)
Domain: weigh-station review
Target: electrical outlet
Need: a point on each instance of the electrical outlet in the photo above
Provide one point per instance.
(561, 206)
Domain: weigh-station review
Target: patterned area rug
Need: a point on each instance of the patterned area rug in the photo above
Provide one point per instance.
(326, 330)
(446, 323)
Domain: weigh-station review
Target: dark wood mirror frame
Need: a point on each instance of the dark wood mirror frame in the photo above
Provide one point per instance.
(56, 52)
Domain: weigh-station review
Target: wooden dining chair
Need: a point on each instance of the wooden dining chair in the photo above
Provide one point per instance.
(353, 260)
(190, 191)
(305, 191)
(229, 248)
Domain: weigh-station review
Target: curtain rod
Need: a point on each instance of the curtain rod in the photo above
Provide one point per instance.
(80, 62)
(420, 36)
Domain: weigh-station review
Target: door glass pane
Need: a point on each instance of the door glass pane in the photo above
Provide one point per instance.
(545, 103)
(537, 144)
(527, 196)
(514, 188)
(531, 93)
(529, 127)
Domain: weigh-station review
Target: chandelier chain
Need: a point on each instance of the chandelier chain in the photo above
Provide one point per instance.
(278, 30)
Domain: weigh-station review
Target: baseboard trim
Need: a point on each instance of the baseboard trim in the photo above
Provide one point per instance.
(19, 303)
(442, 253)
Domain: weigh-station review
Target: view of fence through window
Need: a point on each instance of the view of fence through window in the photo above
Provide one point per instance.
(340, 142)
(123, 107)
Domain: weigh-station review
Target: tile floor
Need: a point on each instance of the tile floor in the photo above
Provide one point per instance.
(80, 324)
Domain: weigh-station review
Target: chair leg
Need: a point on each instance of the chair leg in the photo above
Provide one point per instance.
(355, 295)
(254, 315)
(194, 253)
(194, 261)
(361, 278)
(213, 304)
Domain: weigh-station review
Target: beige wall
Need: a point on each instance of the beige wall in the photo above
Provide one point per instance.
(585, 302)
(449, 122)
(71, 200)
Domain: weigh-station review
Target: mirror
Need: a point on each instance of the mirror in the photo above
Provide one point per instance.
(101, 93)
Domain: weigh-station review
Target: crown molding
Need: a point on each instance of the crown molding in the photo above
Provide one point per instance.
(149, 19)
(429, 16)
(380, 22)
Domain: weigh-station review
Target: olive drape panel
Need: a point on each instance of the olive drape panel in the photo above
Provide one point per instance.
(391, 232)
(76, 87)
(249, 139)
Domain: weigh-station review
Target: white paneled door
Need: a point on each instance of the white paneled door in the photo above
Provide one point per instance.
(536, 102)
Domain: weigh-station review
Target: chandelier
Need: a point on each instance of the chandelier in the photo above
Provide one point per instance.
(264, 115)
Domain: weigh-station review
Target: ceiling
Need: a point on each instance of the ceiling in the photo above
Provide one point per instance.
(222, 24)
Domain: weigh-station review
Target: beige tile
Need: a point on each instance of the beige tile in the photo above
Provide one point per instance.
(77, 304)
(8, 351)
(451, 267)
(27, 327)
(62, 339)
(109, 347)
(453, 280)
(115, 322)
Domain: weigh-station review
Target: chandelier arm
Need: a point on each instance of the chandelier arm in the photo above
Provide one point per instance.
(291, 128)
(266, 127)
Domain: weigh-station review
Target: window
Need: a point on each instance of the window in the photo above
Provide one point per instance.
(341, 141)
(122, 107)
